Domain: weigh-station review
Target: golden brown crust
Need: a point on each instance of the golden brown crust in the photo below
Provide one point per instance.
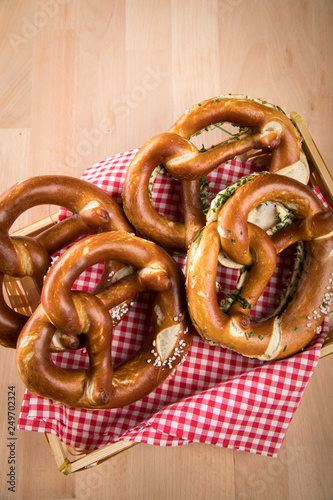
(291, 328)
(133, 265)
(271, 130)
(262, 188)
(246, 112)
(80, 313)
(24, 256)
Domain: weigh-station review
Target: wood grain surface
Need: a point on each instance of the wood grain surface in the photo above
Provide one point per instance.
(85, 79)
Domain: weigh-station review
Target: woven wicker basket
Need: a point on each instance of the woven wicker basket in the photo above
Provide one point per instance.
(22, 296)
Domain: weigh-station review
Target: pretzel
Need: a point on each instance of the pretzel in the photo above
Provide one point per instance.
(26, 256)
(78, 312)
(270, 130)
(294, 323)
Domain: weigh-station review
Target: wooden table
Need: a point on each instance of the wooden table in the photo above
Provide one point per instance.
(82, 80)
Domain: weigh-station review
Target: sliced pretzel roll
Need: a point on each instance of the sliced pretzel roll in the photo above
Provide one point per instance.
(233, 216)
(270, 128)
(101, 386)
(294, 323)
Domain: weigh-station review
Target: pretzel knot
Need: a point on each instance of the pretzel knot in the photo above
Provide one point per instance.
(80, 313)
(230, 237)
(267, 128)
(25, 256)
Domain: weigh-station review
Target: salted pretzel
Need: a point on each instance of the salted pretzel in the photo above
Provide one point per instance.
(21, 256)
(78, 313)
(267, 128)
(295, 322)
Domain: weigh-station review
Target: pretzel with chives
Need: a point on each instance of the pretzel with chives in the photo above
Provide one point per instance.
(75, 312)
(270, 129)
(22, 256)
(292, 326)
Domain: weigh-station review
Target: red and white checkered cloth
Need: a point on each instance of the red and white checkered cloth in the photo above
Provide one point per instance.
(215, 396)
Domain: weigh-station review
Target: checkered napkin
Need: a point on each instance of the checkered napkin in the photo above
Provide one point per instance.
(215, 396)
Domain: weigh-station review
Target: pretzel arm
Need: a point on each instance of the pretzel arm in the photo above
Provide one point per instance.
(106, 217)
(229, 330)
(251, 113)
(194, 218)
(202, 163)
(123, 290)
(89, 387)
(314, 227)
(137, 204)
(118, 296)
(233, 217)
(303, 317)
(10, 321)
(94, 208)
(201, 286)
(215, 326)
(264, 258)
(64, 232)
(32, 258)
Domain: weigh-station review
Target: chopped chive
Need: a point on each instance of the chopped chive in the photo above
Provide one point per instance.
(199, 235)
(245, 303)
